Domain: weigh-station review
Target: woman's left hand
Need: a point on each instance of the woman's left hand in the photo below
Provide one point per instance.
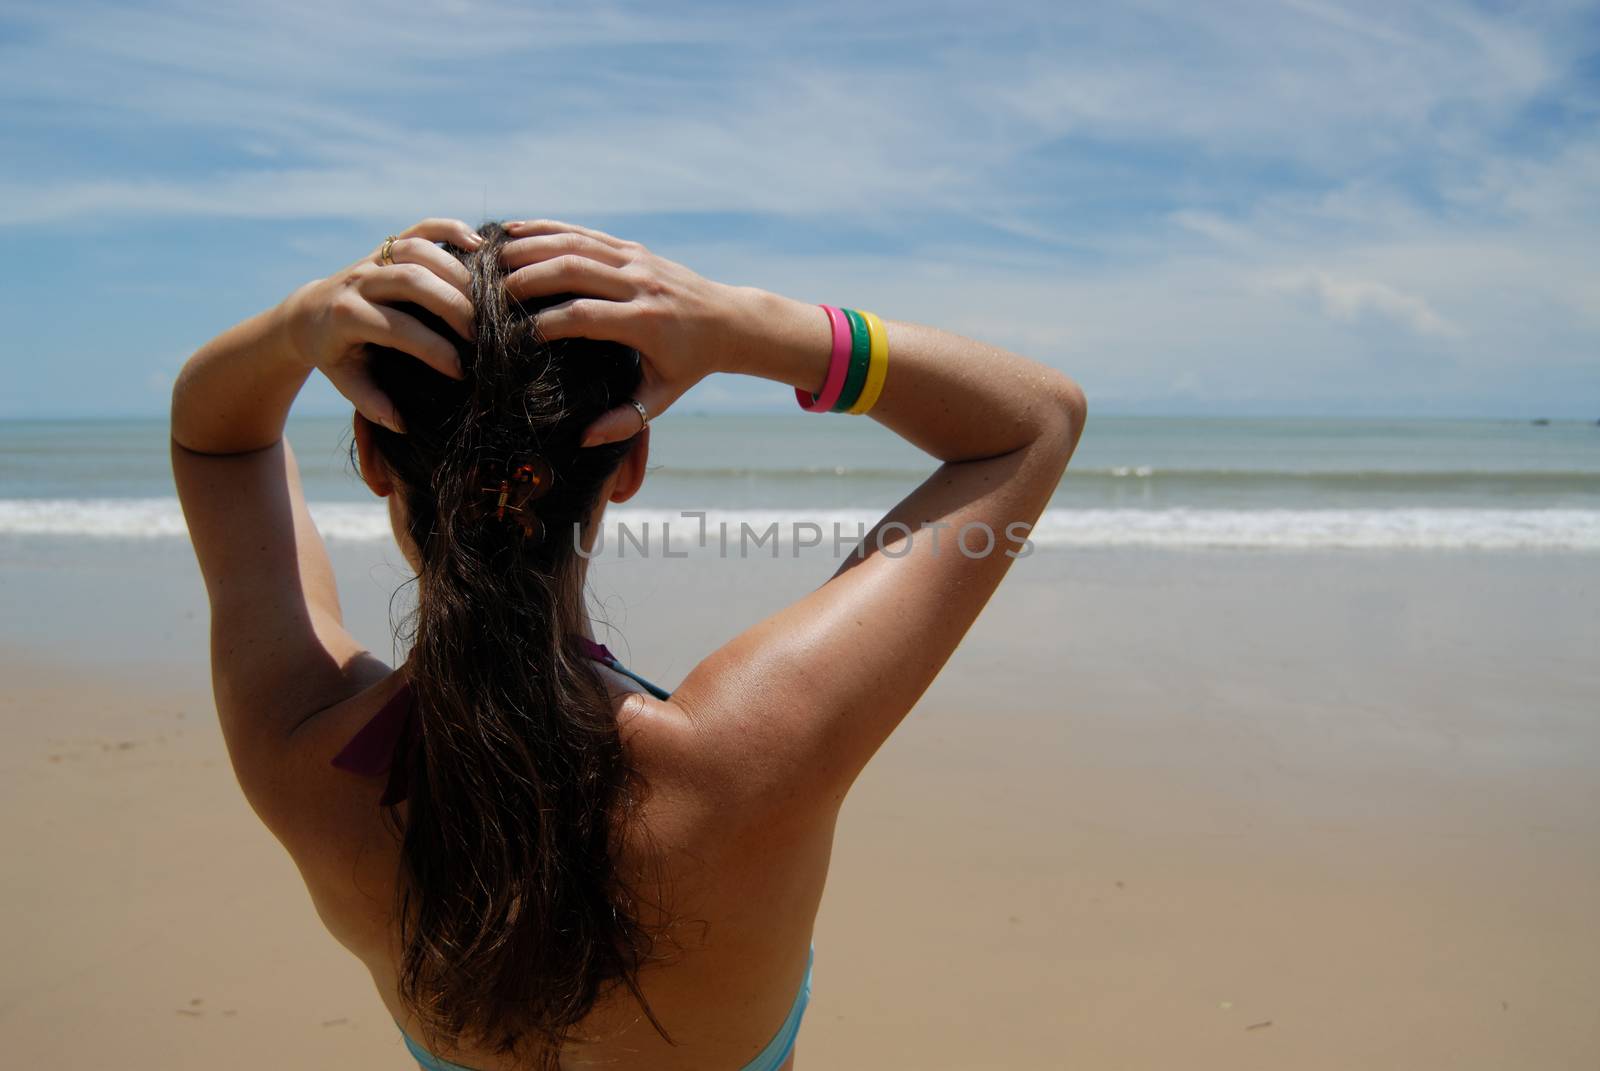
(331, 321)
(678, 320)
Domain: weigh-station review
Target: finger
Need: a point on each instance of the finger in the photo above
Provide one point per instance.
(435, 259)
(357, 385)
(384, 326)
(585, 318)
(453, 231)
(414, 283)
(525, 228)
(568, 274)
(521, 252)
(623, 421)
(612, 426)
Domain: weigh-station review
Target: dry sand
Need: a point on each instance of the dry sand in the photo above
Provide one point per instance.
(1183, 810)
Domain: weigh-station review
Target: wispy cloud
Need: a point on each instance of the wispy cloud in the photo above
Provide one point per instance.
(1229, 204)
(1356, 299)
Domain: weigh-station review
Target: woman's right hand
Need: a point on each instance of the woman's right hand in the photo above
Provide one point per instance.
(331, 321)
(680, 322)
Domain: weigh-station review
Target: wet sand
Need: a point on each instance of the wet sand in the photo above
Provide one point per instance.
(1210, 810)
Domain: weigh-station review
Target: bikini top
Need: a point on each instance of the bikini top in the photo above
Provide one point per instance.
(391, 732)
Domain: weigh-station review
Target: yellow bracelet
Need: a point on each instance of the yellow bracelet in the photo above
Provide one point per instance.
(879, 367)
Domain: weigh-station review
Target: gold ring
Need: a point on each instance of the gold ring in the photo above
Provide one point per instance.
(644, 418)
(386, 254)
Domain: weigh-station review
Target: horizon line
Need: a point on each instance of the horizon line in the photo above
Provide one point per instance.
(1113, 413)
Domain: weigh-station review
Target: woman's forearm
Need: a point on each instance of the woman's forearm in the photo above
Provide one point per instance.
(958, 399)
(233, 396)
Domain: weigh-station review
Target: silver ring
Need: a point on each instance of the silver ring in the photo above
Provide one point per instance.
(644, 418)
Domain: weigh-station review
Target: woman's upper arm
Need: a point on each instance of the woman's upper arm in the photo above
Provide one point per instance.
(793, 708)
(279, 650)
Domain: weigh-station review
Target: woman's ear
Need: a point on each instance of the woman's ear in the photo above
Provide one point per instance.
(374, 473)
(630, 474)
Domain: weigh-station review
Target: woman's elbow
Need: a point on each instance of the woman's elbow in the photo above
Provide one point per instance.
(1071, 406)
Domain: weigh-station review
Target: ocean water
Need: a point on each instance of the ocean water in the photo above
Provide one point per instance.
(1136, 481)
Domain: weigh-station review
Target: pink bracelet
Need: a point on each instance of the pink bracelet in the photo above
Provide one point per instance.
(838, 367)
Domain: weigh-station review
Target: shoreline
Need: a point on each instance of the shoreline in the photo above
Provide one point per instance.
(644, 533)
(1157, 800)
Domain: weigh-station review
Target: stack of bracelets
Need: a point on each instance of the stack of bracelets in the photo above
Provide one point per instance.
(856, 369)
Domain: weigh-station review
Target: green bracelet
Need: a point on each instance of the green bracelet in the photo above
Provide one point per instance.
(860, 361)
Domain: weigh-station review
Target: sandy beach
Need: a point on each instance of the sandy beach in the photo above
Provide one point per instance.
(1203, 809)
(1279, 752)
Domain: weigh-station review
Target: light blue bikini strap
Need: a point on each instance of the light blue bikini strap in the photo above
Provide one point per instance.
(769, 1059)
(782, 1044)
(427, 1060)
(601, 653)
(654, 689)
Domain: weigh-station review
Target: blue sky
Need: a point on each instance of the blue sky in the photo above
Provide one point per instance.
(1295, 207)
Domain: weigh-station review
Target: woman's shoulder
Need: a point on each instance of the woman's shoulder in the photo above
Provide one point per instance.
(350, 735)
(330, 819)
(709, 791)
(325, 801)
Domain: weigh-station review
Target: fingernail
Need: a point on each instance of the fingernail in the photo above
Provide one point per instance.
(394, 426)
(590, 438)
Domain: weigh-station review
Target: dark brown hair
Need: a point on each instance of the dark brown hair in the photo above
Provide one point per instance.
(514, 920)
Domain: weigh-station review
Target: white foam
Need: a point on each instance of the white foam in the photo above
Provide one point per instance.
(161, 518)
(1308, 529)
(1343, 529)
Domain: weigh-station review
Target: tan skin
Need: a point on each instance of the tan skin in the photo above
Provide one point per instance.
(751, 757)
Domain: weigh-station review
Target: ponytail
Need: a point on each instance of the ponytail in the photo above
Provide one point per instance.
(514, 921)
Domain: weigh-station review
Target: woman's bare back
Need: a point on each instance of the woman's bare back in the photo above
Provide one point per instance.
(739, 909)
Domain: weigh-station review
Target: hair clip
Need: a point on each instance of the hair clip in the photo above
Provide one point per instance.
(508, 486)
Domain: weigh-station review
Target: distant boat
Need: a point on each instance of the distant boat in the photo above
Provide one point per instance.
(1542, 422)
